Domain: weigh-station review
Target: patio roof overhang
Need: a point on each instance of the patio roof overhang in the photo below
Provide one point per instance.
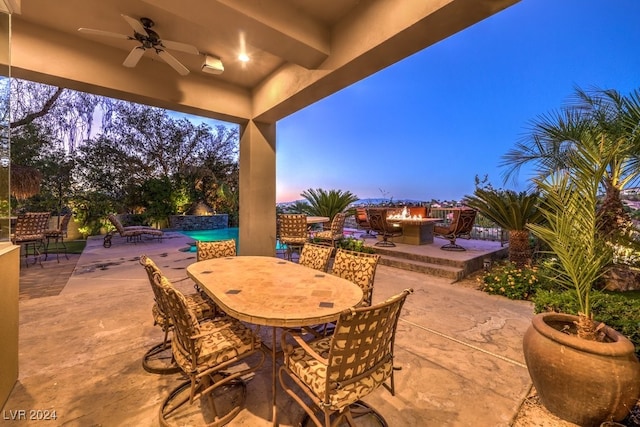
(300, 52)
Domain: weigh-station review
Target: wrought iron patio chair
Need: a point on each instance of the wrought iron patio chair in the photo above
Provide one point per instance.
(336, 372)
(335, 232)
(359, 268)
(461, 226)
(384, 228)
(30, 232)
(293, 233)
(315, 256)
(58, 235)
(362, 221)
(281, 249)
(212, 250)
(159, 359)
(209, 353)
(356, 267)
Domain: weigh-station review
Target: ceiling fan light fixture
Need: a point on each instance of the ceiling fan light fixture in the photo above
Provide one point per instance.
(149, 40)
(212, 65)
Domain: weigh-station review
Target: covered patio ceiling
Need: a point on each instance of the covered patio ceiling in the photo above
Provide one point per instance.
(300, 51)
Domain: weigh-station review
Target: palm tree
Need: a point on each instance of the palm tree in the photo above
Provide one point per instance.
(327, 203)
(511, 211)
(612, 121)
(298, 207)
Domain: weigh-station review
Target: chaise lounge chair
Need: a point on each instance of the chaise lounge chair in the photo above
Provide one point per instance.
(133, 233)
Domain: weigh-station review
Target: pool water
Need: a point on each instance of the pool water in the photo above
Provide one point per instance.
(210, 236)
(215, 235)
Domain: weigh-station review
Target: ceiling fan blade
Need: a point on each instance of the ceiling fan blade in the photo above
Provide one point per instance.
(135, 24)
(103, 33)
(173, 62)
(182, 47)
(133, 57)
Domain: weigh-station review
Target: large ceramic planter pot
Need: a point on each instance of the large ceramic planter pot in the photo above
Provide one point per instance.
(584, 382)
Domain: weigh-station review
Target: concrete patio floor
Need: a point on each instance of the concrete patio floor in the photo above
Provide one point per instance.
(81, 346)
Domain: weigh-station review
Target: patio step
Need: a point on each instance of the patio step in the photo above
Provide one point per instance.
(454, 273)
(450, 265)
(442, 258)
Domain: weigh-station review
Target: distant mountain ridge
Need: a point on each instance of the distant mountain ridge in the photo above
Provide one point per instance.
(364, 202)
(381, 201)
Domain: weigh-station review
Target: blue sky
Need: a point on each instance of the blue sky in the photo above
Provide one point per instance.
(425, 127)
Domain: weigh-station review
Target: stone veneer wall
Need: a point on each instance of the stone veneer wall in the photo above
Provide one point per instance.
(198, 222)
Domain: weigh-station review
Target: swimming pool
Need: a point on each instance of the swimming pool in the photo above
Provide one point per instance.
(215, 235)
(210, 236)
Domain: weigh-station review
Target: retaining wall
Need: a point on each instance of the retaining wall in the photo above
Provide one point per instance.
(198, 222)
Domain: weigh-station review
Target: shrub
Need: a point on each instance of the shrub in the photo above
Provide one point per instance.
(90, 210)
(618, 310)
(353, 244)
(513, 282)
(134, 219)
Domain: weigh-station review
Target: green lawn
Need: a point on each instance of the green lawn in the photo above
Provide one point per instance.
(73, 247)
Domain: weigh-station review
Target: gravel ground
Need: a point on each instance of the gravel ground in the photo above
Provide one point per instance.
(533, 414)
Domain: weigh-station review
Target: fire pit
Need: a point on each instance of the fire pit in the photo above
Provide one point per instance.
(416, 230)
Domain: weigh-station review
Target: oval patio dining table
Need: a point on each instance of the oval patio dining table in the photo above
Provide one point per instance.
(274, 292)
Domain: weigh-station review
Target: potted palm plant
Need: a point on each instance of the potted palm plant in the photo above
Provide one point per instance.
(584, 371)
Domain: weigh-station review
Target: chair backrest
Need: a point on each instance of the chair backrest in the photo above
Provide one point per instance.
(462, 222)
(278, 221)
(358, 268)
(293, 226)
(116, 223)
(361, 348)
(152, 272)
(378, 221)
(362, 220)
(32, 223)
(337, 224)
(315, 256)
(64, 223)
(422, 211)
(62, 226)
(161, 285)
(185, 323)
(217, 249)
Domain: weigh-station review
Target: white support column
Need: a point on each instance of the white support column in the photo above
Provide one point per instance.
(257, 189)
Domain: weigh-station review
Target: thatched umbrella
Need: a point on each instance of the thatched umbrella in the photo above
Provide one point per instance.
(25, 181)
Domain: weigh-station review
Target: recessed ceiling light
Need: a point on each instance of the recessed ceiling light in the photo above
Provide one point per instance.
(243, 57)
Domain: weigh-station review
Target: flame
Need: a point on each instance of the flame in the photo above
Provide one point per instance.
(405, 215)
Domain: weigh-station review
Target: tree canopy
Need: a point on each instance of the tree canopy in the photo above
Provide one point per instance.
(603, 121)
(131, 158)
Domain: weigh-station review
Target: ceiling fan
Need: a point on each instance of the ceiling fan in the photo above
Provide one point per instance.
(148, 39)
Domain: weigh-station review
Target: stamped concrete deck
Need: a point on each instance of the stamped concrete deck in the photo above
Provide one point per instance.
(81, 346)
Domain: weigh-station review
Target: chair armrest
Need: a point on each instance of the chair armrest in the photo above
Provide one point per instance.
(297, 337)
